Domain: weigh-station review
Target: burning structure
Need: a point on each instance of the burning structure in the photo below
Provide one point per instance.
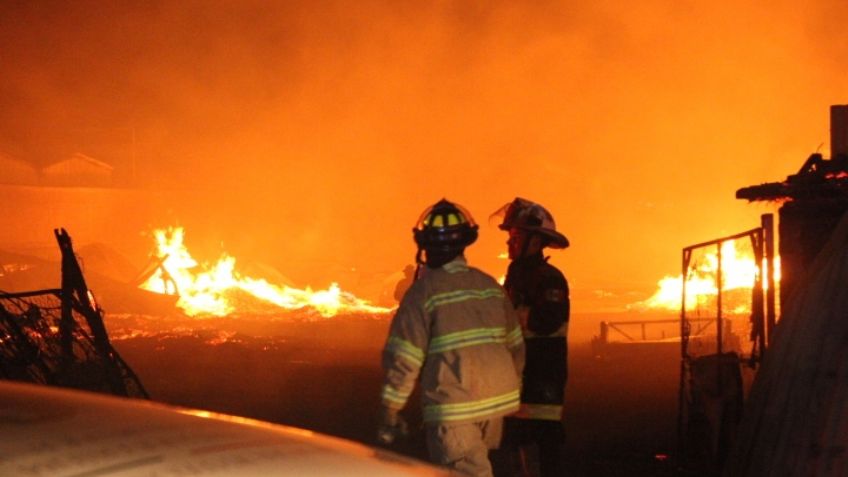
(794, 422)
(815, 198)
(795, 417)
(812, 234)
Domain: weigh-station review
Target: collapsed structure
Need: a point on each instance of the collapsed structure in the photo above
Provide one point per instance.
(57, 336)
(795, 419)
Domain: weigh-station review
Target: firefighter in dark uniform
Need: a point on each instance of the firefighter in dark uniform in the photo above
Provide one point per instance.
(539, 292)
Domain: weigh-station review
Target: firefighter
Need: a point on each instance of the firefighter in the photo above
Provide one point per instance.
(456, 333)
(404, 283)
(539, 292)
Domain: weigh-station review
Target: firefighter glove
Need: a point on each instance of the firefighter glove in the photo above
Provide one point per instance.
(391, 426)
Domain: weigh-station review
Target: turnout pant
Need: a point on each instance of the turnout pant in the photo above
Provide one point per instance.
(464, 448)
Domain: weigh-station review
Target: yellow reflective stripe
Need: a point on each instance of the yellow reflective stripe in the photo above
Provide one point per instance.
(454, 267)
(462, 339)
(515, 337)
(460, 295)
(392, 395)
(544, 412)
(470, 410)
(405, 349)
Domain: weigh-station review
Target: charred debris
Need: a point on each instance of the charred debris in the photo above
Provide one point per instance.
(791, 421)
(814, 200)
(57, 336)
(795, 415)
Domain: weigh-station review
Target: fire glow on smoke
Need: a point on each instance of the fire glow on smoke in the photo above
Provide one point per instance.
(210, 290)
(739, 272)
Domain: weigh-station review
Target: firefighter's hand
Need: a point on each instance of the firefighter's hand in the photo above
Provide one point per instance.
(390, 426)
(523, 313)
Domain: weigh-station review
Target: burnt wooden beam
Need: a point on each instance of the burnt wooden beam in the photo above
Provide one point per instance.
(839, 131)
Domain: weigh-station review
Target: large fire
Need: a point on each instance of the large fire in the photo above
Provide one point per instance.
(739, 272)
(214, 290)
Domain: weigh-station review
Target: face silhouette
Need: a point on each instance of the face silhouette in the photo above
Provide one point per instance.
(518, 245)
(515, 243)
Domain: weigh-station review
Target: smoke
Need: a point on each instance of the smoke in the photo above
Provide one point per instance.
(316, 132)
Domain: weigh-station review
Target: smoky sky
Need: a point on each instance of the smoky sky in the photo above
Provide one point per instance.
(321, 129)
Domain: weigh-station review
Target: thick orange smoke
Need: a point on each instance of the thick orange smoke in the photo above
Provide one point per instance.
(310, 135)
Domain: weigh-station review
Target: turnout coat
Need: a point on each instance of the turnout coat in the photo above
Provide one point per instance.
(457, 332)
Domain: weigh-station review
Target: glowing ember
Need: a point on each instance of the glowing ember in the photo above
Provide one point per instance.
(211, 290)
(739, 272)
(10, 268)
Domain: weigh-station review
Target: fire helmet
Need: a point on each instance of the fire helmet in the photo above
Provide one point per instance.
(527, 215)
(445, 227)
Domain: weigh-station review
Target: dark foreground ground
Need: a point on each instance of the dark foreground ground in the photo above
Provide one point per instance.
(621, 411)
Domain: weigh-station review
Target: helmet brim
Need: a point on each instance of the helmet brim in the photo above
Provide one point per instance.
(555, 239)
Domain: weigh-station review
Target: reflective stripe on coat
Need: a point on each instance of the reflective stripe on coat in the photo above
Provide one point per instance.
(457, 332)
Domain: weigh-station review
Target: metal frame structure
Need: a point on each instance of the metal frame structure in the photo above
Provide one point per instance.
(618, 327)
(763, 310)
(57, 336)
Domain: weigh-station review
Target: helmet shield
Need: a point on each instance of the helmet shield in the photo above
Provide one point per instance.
(532, 217)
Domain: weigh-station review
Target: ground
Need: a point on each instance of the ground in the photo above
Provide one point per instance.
(621, 417)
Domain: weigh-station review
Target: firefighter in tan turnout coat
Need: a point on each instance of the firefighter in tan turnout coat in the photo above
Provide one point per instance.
(457, 333)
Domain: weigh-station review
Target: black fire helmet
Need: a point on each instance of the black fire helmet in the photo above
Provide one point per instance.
(445, 227)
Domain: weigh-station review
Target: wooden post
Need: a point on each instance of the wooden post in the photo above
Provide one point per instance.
(771, 296)
(682, 398)
(719, 329)
(838, 130)
(73, 283)
(758, 320)
(67, 322)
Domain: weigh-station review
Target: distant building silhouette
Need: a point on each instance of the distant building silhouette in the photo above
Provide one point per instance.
(79, 170)
(16, 171)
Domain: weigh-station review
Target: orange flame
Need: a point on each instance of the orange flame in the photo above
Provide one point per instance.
(209, 290)
(502, 256)
(739, 272)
